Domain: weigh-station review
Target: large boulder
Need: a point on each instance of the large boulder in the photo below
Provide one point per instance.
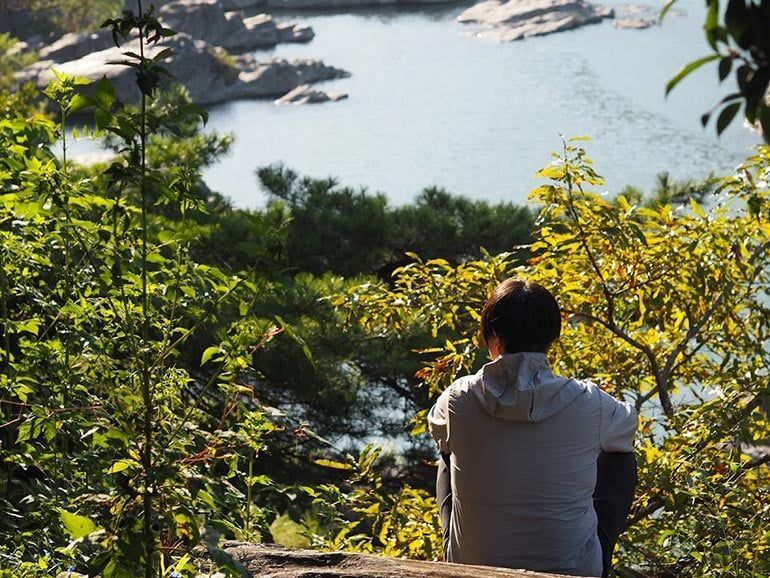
(279, 562)
(72, 46)
(209, 76)
(516, 19)
(207, 20)
(289, 32)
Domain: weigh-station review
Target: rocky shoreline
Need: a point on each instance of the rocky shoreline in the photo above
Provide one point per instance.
(213, 56)
(208, 76)
(215, 44)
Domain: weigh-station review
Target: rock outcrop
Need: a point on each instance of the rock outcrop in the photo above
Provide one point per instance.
(209, 76)
(511, 20)
(279, 562)
(208, 20)
(72, 46)
(322, 4)
(636, 16)
(306, 94)
(633, 23)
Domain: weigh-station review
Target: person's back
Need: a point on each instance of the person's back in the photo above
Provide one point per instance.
(524, 453)
(524, 446)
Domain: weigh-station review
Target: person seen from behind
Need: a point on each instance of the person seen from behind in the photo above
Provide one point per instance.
(537, 471)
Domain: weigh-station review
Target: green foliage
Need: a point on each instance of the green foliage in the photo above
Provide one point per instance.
(666, 307)
(118, 455)
(364, 515)
(668, 191)
(350, 231)
(12, 60)
(24, 100)
(739, 41)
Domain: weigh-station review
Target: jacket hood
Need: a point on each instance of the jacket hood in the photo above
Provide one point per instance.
(522, 387)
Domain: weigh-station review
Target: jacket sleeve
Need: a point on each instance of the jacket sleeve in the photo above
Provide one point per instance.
(618, 425)
(438, 422)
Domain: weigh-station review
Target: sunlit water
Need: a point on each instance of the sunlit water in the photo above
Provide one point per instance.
(432, 105)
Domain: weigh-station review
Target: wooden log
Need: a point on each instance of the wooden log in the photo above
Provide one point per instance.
(274, 561)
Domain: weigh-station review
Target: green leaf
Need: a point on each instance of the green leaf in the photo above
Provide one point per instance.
(711, 25)
(165, 236)
(104, 92)
(696, 208)
(29, 326)
(764, 121)
(688, 68)
(121, 465)
(292, 332)
(666, 7)
(738, 23)
(102, 118)
(76, 525)
(209, 353)
(725, 66)
(726, 116)
(79, 102)
(114, 569)
(333, 464)
(163, 54)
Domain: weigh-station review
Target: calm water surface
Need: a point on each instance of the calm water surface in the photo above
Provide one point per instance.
(432, 105)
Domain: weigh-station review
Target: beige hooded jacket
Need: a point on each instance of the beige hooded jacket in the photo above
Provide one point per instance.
(523, 445)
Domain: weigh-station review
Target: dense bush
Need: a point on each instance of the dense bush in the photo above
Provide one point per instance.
(666, 308)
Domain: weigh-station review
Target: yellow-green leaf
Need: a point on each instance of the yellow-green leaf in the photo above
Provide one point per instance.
(697, 209)
(76, 525)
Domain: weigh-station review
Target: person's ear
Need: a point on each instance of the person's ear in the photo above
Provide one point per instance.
(495, 347)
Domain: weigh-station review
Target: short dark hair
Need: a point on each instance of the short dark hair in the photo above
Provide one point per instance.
(523, 315)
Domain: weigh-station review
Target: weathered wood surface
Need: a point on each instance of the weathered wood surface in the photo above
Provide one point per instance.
(273, 561)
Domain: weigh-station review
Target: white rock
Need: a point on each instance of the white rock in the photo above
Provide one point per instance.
(207, 20)
(517, 19)
(633, 23)
(72, 46)
(306, 94)
(289, 32)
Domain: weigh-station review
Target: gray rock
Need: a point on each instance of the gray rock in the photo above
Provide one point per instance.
(288, 32)
(633, 23)
(207, 20)
(325, 4)
(18, 48)
(517, 19)
(72, 46)
(270, 560)
(306, 94)
(209, 77)
(260, 31)
(628, 10)
(276, 77)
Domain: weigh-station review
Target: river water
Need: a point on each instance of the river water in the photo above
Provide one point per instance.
(430, 104)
